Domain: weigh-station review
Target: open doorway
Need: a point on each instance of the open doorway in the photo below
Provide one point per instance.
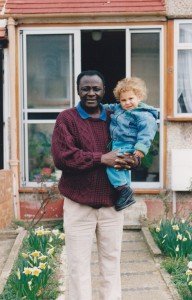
(104, 50)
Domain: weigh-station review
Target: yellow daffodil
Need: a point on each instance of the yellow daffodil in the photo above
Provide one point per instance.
(27, 271)
(35, 253)
(51, 251)
(24, 255)
(40, 232)
(184, 239)
(47, 232)
(175, 227)
(43, 257)
(42, 265)
(188, 272)
(35, 271)
(190, 283)
(62, 236)
(158, 229)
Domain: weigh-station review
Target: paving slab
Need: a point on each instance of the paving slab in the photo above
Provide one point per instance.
(141, 276)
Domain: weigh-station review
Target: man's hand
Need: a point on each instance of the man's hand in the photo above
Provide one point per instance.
(126, 161)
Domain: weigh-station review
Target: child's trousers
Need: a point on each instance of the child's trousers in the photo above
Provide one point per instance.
(122, 177)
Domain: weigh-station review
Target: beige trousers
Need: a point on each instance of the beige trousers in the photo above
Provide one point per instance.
(81, 223)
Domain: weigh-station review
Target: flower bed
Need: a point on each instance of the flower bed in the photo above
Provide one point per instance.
(174, 238)
(34, 269)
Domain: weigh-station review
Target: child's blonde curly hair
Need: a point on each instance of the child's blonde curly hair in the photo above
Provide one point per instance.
(134, 84)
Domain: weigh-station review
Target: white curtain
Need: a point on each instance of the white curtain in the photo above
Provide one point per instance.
(184, 86)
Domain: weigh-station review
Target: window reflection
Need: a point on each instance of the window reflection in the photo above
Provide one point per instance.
(145, 63)
(39, 152)
(48, 71)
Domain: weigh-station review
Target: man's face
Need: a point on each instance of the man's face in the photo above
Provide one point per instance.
(91, 91)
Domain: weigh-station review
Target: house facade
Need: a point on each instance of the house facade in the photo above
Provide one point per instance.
(48, 46)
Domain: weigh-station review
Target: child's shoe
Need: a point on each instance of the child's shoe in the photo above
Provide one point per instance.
(125, 198)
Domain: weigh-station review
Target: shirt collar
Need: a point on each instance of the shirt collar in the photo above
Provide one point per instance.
(84, 115)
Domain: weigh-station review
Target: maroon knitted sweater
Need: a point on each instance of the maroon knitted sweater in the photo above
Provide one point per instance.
(77, 146)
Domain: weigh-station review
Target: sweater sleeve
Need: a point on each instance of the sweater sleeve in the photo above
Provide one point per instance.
(67, 155)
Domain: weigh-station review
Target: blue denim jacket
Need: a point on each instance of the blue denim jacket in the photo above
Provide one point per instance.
(136, 127)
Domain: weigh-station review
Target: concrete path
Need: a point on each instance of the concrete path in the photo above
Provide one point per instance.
(141, 276)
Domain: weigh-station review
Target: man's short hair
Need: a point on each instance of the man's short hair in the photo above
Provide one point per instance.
(90, 73)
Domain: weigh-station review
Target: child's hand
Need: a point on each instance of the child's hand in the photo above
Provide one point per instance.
(138, 153)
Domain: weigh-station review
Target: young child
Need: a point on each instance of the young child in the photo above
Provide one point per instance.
(132, 129)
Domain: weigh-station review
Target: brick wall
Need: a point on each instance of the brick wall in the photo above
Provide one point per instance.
(6, 198)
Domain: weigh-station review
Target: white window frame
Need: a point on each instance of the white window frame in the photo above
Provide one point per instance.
(22, 35)
(77, 69)
(160, 30)
(179, 46)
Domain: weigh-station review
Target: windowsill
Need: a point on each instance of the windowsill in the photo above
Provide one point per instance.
(33, 190)
(151, 192)
(136, 191)
(179, 119)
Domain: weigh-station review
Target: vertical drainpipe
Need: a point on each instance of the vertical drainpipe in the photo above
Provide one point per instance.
(14, 163)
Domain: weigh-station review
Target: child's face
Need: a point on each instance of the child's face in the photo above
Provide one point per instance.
(129, 100)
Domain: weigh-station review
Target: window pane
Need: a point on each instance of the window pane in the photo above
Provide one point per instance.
(145, 63)
(184, 82)
(48, 71)
(185, 33)
(39, 152)
(149, 169)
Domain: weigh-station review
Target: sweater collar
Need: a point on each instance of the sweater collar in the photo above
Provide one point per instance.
(84, 115)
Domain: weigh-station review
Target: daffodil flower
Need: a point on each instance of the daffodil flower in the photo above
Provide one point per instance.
(175, 227)
(18, 274)
(188, 272)
(179, 237)
(27, 271)
(47, 232)
(42, 265)
(35, 253)
(190, 283)
(50, 239)
(24, 255)
(62, 236)
(190, 265)
(177, 248)
(43, 257)
(40, 232)
(55, 231)
(184, 239)
(158, 229)
(35, 271)
(29, 285)
(51, 251)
